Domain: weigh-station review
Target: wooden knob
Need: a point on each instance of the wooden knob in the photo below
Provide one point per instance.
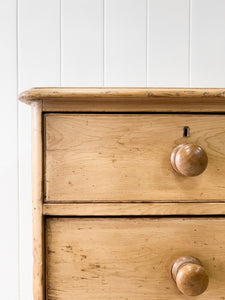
(189, 159)
(190, 276)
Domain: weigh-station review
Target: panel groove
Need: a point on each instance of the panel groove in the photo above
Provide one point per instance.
(189, 44)
(147, 43)
(60, 42)
(103, 58)
(17, 142)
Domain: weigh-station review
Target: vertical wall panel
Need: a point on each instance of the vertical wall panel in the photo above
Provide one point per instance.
(208, 43)
(8, 158)
(39, 65)
(168, 43)
(82, 42)
(125, 43)
(39, 43)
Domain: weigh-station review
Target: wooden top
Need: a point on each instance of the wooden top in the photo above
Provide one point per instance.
(128, 99)
(50, 93)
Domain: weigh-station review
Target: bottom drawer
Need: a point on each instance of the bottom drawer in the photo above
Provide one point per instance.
(130, 258)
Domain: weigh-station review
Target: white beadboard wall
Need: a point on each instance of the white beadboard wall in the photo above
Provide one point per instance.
(170, 43)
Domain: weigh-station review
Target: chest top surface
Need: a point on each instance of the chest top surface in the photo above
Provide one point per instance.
(127, 99)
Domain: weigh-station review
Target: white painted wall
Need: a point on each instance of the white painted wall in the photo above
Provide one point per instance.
(176, 43)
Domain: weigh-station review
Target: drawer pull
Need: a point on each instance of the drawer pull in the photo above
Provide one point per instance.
(190, 276)
(189, 159)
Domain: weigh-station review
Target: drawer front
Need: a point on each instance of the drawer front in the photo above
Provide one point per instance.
(126, 157)
(130, 258)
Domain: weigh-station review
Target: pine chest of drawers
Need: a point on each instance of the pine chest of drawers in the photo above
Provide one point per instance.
(128, 193)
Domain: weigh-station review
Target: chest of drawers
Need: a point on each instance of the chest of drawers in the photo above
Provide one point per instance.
(128, 193)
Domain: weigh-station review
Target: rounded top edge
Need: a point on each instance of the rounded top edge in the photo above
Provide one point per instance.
(73, 93)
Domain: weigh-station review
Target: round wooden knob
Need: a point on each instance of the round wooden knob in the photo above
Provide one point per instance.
(190, 276)
(189, 159)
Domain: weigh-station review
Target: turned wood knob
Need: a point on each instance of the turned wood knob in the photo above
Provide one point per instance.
(189, 159)
(190, 276)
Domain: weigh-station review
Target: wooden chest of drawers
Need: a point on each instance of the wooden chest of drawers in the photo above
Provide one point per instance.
(128, 193)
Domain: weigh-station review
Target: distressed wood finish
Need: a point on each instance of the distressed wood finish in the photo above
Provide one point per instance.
(37, 195)
(132, 209)
(127, 99)
(118, 157)
(119, 93)
(130, 258)
(100, 180)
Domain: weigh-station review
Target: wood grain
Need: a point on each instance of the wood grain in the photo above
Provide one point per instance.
(190, 276)
(156, 105)
(48, 93)
(189, 160)
(132, 209)
(128, 99)
(130, 258)
(92, 160)
(118, 157)
(37, 195)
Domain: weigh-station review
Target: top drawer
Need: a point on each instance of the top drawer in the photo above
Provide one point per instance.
(126, 157)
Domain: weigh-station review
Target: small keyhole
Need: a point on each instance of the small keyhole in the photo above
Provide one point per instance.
(186, 131)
